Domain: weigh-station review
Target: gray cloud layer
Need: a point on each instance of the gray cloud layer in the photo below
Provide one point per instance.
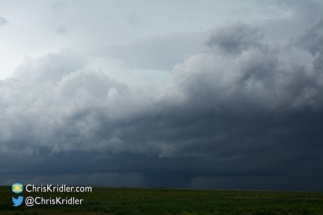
(235, 37)
(247, 110)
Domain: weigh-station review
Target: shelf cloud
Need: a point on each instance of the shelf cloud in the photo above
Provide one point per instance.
(237, 109)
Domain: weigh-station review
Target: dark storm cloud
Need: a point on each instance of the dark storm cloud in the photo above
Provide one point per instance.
(3, 21)
(312, 39)
(254, 116)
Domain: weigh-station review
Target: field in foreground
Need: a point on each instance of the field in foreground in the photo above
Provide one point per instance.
(148, 201)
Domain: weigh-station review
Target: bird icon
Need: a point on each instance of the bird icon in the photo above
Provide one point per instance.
(17, 202)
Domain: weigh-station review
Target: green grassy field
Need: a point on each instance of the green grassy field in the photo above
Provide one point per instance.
(172, 201)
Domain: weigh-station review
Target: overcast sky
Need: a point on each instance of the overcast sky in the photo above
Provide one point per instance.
(197, 94)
